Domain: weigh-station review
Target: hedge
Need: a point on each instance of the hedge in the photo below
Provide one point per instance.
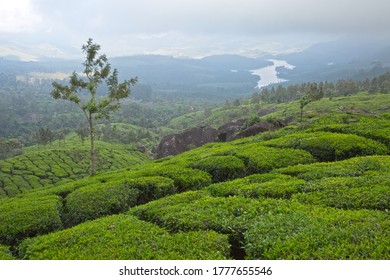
(221, 168)
(113, 197)
(373, 127)
(123, 237)
(261, 159)
(319, 233)
(326, 146)
(229, 215)
(151, 188)
(353, 167)
(365, 192)
(281, 186)
(5, 253)
(184, 178)
(30, 216)
(97, 200)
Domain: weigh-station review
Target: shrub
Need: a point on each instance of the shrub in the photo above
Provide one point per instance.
(366, 192)
(353, 167)
(151, 188)
(260, 159)
(26, 217)
(376, 128)
(326, 146)
(97, 200)
(278, 187)
(221, 168)
(319, 233)
(184, 178)
(5, 253)
(222, 214)
(122, 237)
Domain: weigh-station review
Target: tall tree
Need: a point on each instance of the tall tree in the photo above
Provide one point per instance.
(96, 71)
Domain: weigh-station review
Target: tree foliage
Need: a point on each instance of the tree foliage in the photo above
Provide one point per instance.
(96, 70)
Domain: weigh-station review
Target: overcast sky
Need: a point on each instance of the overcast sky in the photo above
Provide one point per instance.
(184, 27)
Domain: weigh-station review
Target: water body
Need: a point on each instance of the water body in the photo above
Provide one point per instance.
(268, 75)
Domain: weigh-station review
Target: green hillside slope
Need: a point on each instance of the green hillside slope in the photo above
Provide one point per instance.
(319, 190)
(36, 168)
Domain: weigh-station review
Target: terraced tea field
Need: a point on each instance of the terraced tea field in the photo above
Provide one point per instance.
(37, 168)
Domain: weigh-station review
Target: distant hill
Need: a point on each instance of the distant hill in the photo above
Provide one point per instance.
(221, 77)
(346, 58)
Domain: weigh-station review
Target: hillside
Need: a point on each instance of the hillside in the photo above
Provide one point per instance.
(58, 162)
(361, 103)
(316, 190)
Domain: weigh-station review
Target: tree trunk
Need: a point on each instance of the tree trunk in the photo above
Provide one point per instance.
(91, 136)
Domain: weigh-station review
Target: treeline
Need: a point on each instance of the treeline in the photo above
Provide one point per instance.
(282, 94)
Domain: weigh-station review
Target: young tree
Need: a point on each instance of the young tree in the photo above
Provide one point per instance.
(96, 70)
(312, 93)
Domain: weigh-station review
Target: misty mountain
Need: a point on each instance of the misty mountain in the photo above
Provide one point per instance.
(346, 58)
(223, 77)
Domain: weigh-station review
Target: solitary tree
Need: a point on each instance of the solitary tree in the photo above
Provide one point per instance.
(96, 71)
(312, 93)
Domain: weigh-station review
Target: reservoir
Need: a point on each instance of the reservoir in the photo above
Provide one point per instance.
(268, 75)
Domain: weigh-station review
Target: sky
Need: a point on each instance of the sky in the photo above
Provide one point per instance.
(194, 28)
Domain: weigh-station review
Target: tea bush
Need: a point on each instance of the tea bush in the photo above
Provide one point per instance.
(96, 200)
(221, 168)
(319, 233)
(281, 186)
(151, 188)
(30, 216)
(184, 178)
(100, 199)
(326, 146)
(122, 237)
(373, 127)
(353, 167)
(177, 213)
(261, 159)
(38, 168)
(5, 253)
(366, 192)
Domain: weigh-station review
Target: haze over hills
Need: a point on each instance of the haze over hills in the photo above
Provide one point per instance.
(228, 76)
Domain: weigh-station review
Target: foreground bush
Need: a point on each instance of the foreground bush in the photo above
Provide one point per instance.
(319, 233)
(221, 168)
(326, 146)
(122, 237)
(260, 159)
(5, 253)
(97, 200)
(353, 167)
(365, 192)
(255, 186)
(151, 188)
(26, 217)
(184, 178)
(225, 215)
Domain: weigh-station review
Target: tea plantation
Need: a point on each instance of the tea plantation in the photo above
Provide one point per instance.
(318, 190)
(38, 167)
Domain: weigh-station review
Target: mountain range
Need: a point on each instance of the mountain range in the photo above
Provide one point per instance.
(223, 76)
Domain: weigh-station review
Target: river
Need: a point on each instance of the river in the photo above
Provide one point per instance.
(268, 75)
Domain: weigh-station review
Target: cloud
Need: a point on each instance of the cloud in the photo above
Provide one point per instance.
(197, 26)
(18, 16)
